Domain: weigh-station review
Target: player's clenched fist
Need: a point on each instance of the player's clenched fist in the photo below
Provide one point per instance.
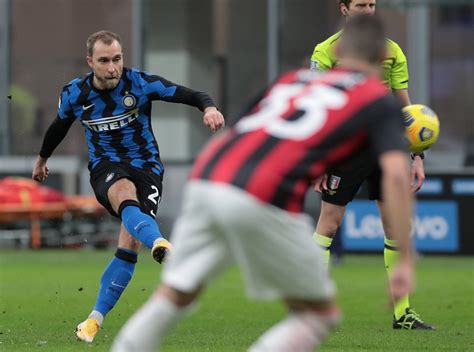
(213, 118)
(40, 171)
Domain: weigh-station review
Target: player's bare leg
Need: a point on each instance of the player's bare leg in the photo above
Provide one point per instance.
(306, 326)
(123, 189)
(330, 219)
(147, 328)
(404, 316)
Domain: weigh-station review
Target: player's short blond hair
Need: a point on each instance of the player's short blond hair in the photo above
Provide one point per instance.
(107, 37)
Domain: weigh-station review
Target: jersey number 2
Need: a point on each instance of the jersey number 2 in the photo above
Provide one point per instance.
(154, 197)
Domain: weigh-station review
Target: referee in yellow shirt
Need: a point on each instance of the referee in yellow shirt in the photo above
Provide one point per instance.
(340, 185)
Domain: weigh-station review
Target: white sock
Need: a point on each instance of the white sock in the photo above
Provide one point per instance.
(147, 328)
(299, 332)
(96, 315)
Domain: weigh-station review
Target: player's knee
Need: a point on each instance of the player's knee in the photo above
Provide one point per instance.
(123, 189)
(327, 227)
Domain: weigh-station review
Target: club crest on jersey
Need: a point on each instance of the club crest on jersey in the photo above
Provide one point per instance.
(129, 101)
(109, 177)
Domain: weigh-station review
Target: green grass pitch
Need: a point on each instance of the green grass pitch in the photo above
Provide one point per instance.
(44, 294)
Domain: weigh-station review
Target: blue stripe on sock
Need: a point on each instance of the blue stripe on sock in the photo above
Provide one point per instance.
(140, 225)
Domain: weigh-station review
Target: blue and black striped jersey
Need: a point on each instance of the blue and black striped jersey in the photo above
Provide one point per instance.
(117, 122)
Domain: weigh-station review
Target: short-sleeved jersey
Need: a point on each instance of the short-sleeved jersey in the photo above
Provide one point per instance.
(395, 67)
(117, 122)
(306, 122)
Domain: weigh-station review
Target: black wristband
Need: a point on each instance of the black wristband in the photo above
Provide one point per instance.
(420, 154)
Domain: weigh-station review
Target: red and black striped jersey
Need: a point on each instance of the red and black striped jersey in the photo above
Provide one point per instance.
(304, 123)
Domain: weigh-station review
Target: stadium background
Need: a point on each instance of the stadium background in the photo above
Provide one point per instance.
(232, 49)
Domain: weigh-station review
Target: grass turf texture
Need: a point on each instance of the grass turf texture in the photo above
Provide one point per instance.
(45, 294)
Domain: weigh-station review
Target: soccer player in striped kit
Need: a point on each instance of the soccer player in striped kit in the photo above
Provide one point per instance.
(113, 103)
(243, 203)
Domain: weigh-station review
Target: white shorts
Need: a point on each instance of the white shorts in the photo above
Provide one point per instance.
(221, 225)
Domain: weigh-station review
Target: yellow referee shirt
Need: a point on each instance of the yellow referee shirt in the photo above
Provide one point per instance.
(395, 68)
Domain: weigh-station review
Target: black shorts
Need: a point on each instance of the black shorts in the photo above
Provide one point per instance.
(345, 180)
(148, 184)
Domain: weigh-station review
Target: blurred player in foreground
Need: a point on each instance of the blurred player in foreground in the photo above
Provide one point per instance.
(113, 103)
(341, 183)
(243, 203)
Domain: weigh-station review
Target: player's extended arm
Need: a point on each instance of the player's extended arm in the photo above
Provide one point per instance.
(54, 135)
(212, 117)
(174, 93)
(417, 173)
(398, 202)
(386, 140)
